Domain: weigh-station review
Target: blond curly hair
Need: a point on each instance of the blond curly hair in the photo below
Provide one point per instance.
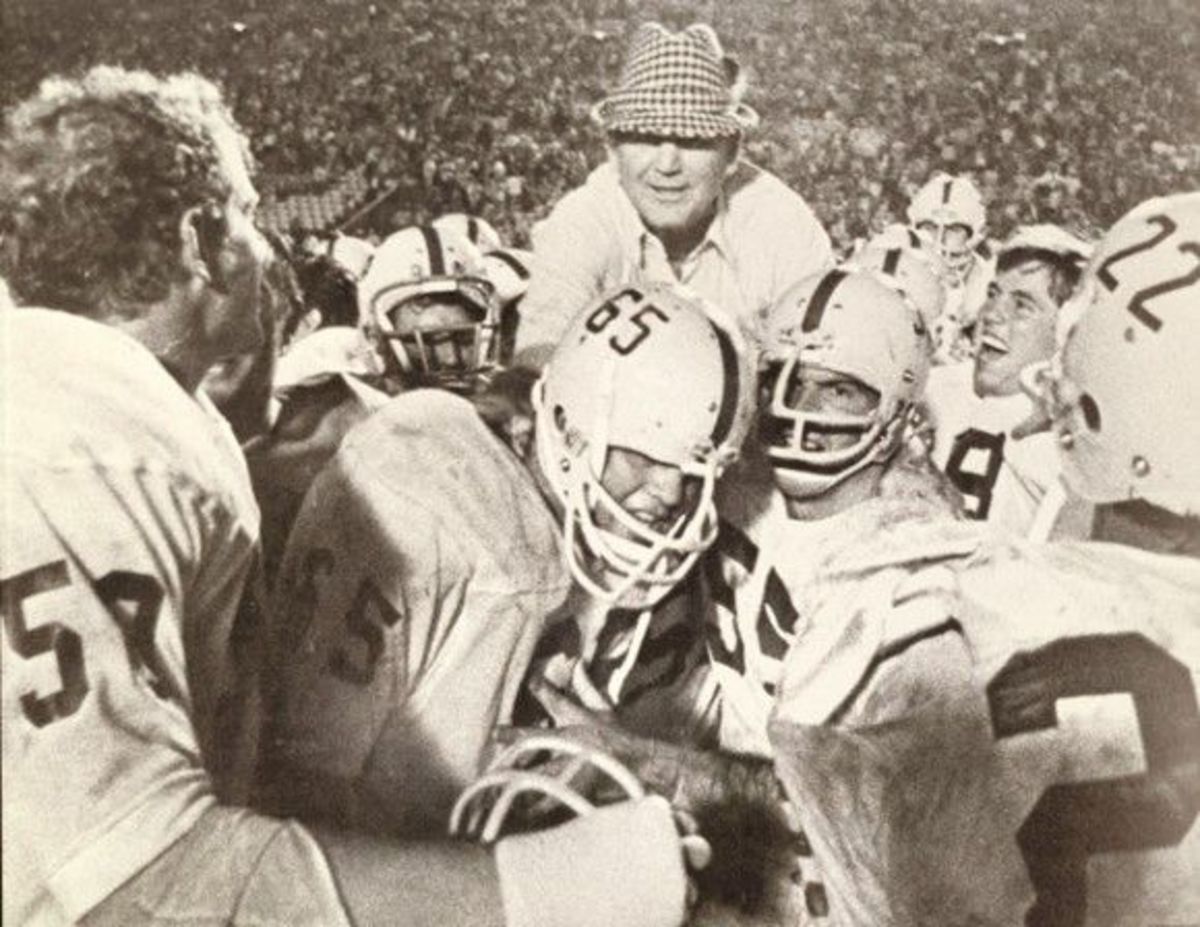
(96, 175)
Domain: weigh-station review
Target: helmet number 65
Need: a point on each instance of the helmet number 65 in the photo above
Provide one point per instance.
(625, 343)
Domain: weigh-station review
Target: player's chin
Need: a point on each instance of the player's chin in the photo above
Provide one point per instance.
(994, 375)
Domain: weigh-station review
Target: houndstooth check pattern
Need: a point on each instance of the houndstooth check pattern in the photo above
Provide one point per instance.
(674, 85)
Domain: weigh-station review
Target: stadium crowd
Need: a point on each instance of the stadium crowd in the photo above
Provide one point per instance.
(1065, 114)
(618, 476)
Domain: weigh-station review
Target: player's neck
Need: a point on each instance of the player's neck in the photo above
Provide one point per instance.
(171, 331)
(859, 487)
(1147, 527)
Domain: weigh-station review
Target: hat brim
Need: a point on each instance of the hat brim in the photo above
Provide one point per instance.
(613, 117)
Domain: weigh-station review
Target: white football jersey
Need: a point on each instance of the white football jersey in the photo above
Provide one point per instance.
(760, 568)
(1003, 480)
(1009, 736)
(421, 570)
(130, 529)
(750, 620)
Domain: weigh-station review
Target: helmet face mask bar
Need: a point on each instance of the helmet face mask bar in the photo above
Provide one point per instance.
(490, 807)
(643, 370)
(785, 431)
(635, 565)
(443, 354)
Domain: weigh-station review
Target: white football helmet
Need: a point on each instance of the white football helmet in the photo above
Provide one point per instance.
(911, 272)
(950, 210)
(509, 269)
(1123, 392)
(477, 231)
(843, 321)
(495, 799)
(897, 235)
(566, 820)
(419, 265)
(644, 369)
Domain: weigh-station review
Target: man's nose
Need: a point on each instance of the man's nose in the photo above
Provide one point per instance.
(994, 310)
(665, 483)
(666, 158)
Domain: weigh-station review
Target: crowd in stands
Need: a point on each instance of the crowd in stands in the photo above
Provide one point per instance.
(1067, 114)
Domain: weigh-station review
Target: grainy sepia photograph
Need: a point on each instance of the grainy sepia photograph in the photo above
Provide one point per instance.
(600, 463)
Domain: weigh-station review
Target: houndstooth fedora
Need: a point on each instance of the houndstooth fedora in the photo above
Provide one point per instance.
(676, 85)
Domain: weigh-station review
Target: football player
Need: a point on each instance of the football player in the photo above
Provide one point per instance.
(977, 408)
(428, 559)
(1013, 736)
(129, 708)
(429, 316)
(950, 214)
(829, 470)
(428, 302)
(847, 359)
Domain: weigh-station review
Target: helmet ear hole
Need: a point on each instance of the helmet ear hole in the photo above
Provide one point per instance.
(560, 418)
(1091, 411)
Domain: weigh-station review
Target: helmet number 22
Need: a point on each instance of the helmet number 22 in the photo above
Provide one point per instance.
(1137, 303)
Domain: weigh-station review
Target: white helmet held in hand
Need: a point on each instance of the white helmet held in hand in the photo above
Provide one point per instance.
(842, 321)
(577, 840)
(1124, 392)
(645, 370)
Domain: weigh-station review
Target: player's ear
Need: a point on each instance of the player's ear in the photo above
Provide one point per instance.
(202, 233)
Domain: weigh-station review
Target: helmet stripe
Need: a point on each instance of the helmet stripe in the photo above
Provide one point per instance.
(433, 245)
(517, 267)
(946, 191)
(473, 230)
(731, 395)
(891, 261)
(820, 298)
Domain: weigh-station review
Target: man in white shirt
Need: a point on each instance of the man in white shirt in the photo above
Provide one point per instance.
(674, 202)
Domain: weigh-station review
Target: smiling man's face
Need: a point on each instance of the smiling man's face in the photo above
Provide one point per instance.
(673, 182)
(1016, 328)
